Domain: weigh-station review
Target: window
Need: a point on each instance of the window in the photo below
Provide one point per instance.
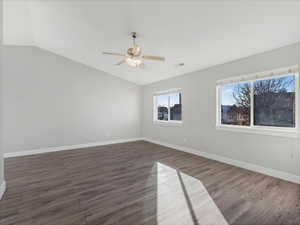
(264, 103)
(235, 104)
(274, 102)
(168, 107)
(162, 107)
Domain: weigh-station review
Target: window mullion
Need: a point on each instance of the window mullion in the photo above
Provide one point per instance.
(252, 105)
(169, 108)
(297, 95)
(219, 106)
(155, 109)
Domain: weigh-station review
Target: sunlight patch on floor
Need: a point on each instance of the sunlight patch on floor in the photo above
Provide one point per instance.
(184, 200)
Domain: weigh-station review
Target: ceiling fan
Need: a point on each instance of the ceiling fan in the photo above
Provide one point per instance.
(134, 57)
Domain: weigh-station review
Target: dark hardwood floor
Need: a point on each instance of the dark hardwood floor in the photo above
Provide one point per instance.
(141, 183)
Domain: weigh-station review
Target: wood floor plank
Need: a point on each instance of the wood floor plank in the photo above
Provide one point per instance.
(140, 183)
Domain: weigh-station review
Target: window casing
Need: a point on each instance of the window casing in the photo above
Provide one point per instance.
(167, 107)
(260, 108)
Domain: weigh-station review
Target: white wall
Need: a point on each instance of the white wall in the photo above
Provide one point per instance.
(199, 115)
(51, 101)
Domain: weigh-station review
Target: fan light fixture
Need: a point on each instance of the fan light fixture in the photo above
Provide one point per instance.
(133, 62)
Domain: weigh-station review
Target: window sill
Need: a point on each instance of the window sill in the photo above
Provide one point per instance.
(168, 123)
(261, 130)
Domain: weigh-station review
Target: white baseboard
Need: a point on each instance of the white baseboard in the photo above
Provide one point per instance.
(68, 147)
(267, 171)
(2, 189)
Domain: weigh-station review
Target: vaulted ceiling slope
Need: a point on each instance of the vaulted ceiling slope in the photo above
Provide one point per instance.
(200, 34)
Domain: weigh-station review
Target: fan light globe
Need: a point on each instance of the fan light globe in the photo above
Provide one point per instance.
(133, 62)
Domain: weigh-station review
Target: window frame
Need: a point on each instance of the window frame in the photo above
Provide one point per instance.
(167, 122)
(259, 129)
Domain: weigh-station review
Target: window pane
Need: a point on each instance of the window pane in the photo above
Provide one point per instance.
(274, 102)
(162, 106)
(175, 106)
(235, 105)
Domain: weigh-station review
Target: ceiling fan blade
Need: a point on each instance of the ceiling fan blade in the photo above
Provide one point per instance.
(121, 62)
(112, 53)
(154, 57)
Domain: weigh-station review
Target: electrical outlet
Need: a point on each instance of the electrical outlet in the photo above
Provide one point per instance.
(184, 139)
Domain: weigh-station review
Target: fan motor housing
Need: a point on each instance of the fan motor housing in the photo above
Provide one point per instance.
(130, 51)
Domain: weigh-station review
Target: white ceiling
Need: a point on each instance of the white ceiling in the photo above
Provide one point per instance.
(200, 34)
